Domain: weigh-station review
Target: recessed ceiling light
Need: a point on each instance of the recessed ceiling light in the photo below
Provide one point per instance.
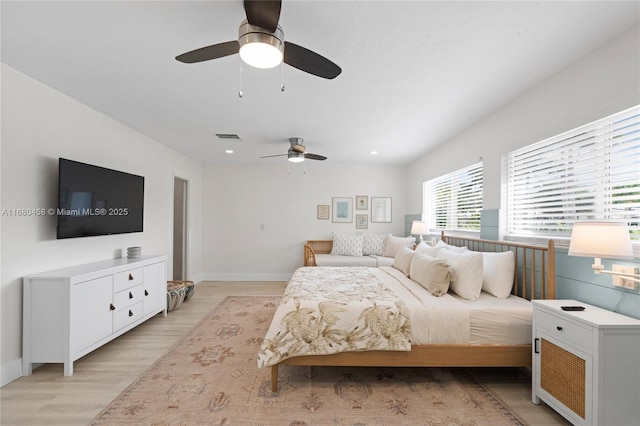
(374, 152)
(229, 151)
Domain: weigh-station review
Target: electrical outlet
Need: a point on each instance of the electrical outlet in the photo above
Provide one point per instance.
(619, 281)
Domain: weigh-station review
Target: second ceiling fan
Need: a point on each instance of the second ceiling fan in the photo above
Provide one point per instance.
(298, 152)
(261, 44)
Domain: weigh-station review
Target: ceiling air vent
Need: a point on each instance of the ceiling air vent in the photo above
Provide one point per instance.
(228, 136)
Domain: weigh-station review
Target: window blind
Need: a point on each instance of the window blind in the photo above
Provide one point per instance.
(589, 173)
(454, 201)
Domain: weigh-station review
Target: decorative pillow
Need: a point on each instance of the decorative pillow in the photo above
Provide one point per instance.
(456, 249)
(498, 273)
(402, 262)
(347, 244)
(393, 244)
(433, 274)
(427, 249)
(374, 244)
(468, 271)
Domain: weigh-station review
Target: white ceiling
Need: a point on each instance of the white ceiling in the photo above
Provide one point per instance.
(414, 74)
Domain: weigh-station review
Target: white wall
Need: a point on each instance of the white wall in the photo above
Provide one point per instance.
(239, 199)
(604, 82)
(39, 125)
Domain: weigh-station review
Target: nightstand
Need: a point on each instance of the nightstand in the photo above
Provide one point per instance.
(586, 364)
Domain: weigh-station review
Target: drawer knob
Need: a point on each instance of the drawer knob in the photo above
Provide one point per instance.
(146, 293)
(111, 307)
(130, 295)
(130, 313)
(559, 328)
(130, 277)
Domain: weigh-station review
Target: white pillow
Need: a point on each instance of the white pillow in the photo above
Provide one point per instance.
(456, 249)
(468, 270)
(393, 244)
(498, 273)
(427, 249)
(374, 244)
(402, 262)
(433, 274)
(347, 244)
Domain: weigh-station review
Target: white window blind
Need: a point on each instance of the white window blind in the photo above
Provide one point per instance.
(454, 201)
(592, 172)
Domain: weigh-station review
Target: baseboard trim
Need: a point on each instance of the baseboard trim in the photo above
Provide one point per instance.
(10, 371)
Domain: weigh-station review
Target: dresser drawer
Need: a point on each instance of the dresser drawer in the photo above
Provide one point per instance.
(126, 316)
(126, 279)
(128, 297)
(565, 331)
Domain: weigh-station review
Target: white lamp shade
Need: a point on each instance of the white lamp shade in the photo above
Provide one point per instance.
(601, 239)
(419, 228)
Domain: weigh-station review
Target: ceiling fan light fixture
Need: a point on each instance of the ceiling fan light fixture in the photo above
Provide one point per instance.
(295, 157)
(260, 48)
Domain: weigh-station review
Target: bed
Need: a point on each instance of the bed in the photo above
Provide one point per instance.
(481, 346)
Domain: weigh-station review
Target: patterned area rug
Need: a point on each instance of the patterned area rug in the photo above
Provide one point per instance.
(211, 377)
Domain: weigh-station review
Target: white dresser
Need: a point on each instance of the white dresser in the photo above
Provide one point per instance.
(69, 312)
(586, 364)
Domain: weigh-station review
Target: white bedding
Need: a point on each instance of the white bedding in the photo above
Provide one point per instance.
(434, 320)
(499, 321)
(486, 321)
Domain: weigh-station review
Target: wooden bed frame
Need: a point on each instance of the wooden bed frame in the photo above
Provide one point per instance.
(534, 278)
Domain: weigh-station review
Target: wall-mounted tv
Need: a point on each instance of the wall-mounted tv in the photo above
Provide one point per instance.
(93, 200)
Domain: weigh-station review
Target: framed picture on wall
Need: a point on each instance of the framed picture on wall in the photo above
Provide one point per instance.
(323, 211)
(342, 209)
(381, 209)
(362, 202)
(362, 221)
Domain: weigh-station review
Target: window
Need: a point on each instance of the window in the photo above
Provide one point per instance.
(589, 173)
(454, 201)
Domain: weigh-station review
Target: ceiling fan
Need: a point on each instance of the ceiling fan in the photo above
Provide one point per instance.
(298, 152)
(261, 44)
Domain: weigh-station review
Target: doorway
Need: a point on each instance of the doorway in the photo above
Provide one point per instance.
(180, 228)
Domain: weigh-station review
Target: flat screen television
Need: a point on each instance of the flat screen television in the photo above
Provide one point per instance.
(93, 200)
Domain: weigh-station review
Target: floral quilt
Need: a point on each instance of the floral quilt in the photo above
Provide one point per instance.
(329, 310)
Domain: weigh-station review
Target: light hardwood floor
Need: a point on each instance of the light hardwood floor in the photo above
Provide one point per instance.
(47, 397)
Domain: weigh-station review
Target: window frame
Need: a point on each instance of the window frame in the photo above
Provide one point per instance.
(453, 182)
(584, 166)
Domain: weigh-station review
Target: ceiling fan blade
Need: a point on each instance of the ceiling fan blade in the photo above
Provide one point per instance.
(210, 52)
(308, 61)
(278, 155)
(298, 148)
(314, 156)
(263, 13)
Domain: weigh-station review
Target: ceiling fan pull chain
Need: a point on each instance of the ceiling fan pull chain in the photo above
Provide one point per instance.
(282, 69)
(240, 91)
